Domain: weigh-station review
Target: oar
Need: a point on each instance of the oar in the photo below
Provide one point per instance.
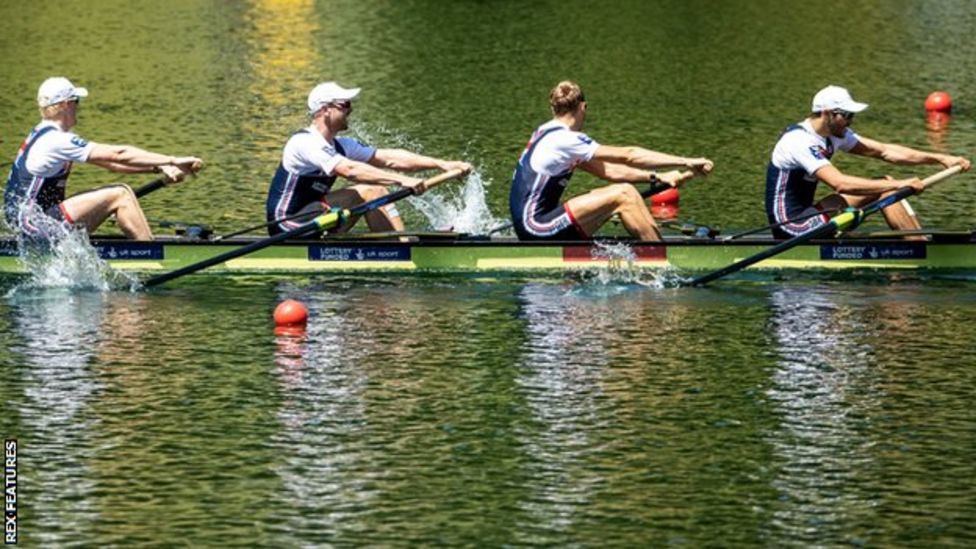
(657, 186)
(845, 220)
(690, 229)
(150, 187)
(321, 223)
(780, 224)
(161, 182)
(307, 215)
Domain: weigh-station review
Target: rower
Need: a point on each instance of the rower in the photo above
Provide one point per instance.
(35, 191)
(556, 149)
(316, 156)
(802, 157)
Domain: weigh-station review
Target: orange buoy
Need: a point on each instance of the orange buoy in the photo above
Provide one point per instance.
(290, 313)
(938, 101)
(668, 196)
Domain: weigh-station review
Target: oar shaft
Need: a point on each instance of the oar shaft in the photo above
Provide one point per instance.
(827, 229)
(781, 223)
(842, 222)
(320, 223)
(307, 215)
(150, 187)
(656, 187)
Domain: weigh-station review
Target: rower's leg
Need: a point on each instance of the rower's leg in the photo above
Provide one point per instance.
(836, 202)
(380, 220)
(900, 215)
(593, 209)
(92, 208)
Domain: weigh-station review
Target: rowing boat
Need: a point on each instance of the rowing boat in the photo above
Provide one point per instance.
(450, 252)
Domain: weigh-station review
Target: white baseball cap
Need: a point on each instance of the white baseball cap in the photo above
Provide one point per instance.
(57, 89)
(329, 92)
(836, 98)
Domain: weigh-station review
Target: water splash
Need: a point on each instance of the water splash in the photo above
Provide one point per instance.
(65, 259)
(623, 270)
(462, 211)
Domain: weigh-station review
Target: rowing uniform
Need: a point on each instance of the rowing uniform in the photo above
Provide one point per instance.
(790, 180)
(39, 175)
(306, 174)
(540, 178)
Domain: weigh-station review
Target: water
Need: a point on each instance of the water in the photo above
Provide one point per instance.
(610, 409)
(462, 410)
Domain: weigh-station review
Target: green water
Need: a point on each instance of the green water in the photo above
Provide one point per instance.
(495, 412)
(781, 411)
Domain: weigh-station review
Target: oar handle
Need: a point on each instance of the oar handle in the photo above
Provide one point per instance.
(150, 187)
(656, 187)
(931, 180)
(432, 182)
(901, 194)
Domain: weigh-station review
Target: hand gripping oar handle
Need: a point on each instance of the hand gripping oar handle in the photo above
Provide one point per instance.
(656, 187)
(432, 182)
(321, 223)
(844, 221)
(905, 192)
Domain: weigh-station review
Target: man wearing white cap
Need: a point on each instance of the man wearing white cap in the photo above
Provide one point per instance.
(36, 184)
(316, 156)
(802, 156)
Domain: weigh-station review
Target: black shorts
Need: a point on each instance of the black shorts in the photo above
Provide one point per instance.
(790, 230)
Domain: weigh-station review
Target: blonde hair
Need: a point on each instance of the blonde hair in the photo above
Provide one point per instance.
(565, 97)
(51, 112)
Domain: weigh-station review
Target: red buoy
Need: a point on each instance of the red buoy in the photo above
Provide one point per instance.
(668, 196)
(664, 211)
(938, 101)
(290, 313)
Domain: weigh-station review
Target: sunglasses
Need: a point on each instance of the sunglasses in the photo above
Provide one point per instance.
(844, 114)
(343, 105)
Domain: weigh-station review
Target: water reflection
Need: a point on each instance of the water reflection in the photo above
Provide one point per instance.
(937, 126)
(324, 468)
(824, 387)
(57, 333)
(561, 371)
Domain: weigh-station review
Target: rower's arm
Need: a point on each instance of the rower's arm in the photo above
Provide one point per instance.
(403, 160)
(900, 154)
(853, 185)
(360, 172)
(129, 159)
(617, 173)
(640, 157)
(119, 167)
